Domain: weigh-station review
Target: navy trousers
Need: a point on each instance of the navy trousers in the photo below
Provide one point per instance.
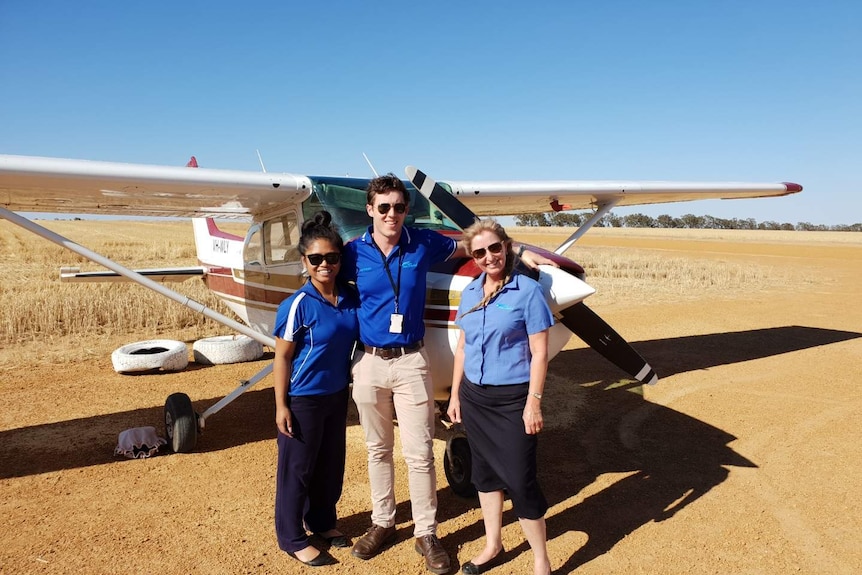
(310, 468)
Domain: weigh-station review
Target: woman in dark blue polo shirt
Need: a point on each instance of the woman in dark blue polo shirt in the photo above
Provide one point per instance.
(499, 376)
(315, 330)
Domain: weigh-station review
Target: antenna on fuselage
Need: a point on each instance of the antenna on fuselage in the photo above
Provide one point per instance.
(369, 165)
(259, 159)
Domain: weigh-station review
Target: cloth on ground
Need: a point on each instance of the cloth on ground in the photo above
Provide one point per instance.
(138, 442)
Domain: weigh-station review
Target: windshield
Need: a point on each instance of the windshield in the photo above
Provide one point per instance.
(344, 198)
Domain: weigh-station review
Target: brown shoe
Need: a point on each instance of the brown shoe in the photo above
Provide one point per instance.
(375, 539)
(436, 558)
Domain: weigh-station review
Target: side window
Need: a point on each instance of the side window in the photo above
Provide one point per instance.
(251, 251)
(280, 236)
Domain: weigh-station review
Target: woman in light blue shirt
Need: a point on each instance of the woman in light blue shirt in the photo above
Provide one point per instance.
(500, 365)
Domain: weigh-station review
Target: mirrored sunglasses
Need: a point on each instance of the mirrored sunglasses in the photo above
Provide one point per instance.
(494, 248)
(383, 209)
(317, 259)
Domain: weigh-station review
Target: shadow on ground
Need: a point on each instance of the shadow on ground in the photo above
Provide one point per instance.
(672, 445)
(666, 460)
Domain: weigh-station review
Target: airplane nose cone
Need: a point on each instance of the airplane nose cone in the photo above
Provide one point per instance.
(561, 288)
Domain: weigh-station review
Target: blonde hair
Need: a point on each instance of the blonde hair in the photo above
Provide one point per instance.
(493, 226)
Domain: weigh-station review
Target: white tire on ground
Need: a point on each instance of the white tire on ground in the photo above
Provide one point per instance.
(226, 349)
(150, 355)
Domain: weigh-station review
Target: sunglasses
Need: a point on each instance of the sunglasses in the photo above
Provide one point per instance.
(383, 209)
(494, 248)
(317, 259)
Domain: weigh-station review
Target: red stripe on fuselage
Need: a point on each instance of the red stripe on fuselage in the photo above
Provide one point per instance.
(215, 232)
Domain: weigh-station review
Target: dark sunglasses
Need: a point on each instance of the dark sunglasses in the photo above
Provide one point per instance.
(383, 209)
(317, 259)
(494, 248)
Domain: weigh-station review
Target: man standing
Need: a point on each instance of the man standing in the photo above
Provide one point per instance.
(389, 264)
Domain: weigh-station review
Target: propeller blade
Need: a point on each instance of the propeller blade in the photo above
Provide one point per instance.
(587, 325)
(579, 319)
(452, 208)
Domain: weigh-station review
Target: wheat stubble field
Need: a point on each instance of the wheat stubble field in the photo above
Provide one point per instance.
(744, 458)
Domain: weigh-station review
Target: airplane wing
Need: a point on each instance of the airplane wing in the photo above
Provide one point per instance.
(488, 198)
(36, 184)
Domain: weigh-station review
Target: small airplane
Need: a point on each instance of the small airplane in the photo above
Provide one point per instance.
(253, 274)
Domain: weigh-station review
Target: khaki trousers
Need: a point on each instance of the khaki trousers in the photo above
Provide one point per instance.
(401, 387)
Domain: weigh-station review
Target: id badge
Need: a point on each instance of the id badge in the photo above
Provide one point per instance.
(395, 323)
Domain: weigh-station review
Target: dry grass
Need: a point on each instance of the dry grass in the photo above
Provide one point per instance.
(628, 265)
(38, 309)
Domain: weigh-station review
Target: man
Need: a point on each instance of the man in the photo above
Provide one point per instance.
(389, 264)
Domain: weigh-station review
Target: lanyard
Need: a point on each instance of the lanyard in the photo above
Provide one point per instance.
(396, 287)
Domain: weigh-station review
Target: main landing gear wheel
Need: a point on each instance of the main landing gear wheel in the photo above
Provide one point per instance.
(457, 464)
(181, 423)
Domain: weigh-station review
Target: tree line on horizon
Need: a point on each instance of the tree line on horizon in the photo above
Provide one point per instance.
(687, 221)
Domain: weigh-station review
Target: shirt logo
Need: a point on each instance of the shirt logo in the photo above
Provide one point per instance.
(408, 265)
(506, 307)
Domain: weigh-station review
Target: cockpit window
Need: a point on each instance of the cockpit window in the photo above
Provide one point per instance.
(280, 237)
(344, 198)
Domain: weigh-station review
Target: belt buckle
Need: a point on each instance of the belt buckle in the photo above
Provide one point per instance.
(389, 353)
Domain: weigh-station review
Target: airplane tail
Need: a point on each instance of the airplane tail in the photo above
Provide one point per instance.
(215, 247)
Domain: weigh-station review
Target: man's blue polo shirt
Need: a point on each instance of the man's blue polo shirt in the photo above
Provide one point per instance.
(496, 337)
(416, 252)
(324, 335)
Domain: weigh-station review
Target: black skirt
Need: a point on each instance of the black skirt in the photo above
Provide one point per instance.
(504, 455)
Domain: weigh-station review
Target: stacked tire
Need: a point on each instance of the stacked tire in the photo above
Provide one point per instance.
(226, 349)
(151, 355)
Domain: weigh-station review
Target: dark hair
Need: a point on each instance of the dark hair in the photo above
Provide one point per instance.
(319, 227)
(383, 184)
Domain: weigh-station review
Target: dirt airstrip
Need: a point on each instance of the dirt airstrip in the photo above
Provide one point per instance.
(745, 458)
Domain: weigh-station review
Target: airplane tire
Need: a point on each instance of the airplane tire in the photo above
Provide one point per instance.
(181, 423)
(457, 466)
(151, 355)
(226, 349)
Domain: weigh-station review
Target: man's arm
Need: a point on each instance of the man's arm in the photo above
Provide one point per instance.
(530, 258)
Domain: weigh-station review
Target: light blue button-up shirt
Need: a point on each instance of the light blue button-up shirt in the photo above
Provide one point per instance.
(496, 337)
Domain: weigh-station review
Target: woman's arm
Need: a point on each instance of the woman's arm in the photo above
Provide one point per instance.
(533, 420)
(281, 369)
(454, 410)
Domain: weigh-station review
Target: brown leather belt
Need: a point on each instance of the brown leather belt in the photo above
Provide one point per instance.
(393, 352)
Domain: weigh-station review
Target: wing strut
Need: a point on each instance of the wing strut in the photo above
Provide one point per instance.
(604, 208)
(135, 277)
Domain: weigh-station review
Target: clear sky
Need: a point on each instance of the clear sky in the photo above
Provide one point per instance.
(737, 90)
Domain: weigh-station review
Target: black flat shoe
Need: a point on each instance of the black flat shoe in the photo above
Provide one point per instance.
(470, 568)
(323, 558)
(340, 541)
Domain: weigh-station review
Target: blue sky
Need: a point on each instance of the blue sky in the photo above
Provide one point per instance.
(737, 90)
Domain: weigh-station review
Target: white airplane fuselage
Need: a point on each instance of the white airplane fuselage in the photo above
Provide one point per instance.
(252, 288)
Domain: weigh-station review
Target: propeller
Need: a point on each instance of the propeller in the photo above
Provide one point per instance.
(579, 319)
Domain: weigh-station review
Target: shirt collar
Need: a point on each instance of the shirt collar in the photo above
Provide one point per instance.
(514, 283)
(403, 240)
